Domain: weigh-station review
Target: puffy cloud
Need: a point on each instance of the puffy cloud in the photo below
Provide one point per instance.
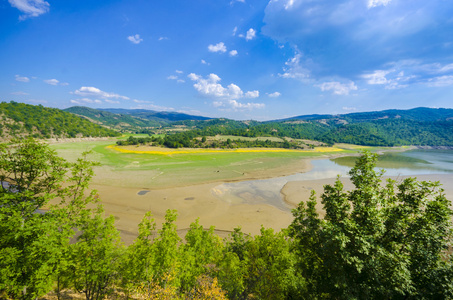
(251, 33)
(233, 52)
(274, 95)
(30, 8)
(135, 39)
(224, 96)
(220, 47)
(51, 81)
(338, 88)
(252, 94)
(22, 78)
(89, 91)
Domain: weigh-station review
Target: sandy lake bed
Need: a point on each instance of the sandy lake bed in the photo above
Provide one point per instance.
(130, 184)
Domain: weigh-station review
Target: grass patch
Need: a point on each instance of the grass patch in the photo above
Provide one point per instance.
(161, 167)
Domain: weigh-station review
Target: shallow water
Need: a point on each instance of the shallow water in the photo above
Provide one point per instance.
(267, 191)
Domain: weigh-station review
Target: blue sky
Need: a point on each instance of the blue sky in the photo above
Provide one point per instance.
(240, 59)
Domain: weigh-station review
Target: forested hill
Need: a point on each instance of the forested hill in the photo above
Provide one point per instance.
(133, 120)
(19, 120)
(419, 126)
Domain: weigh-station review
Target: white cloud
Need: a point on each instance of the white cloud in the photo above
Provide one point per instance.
(112, 101)
(22, 78)
(394, 78)
(338, 88)
(225, 96)
(377, 77)
(220, 47)
(235, 30)
(135, 39)
(289, 4)
(19, 93)
(274, 95)
(142, 104)
(163, 38)
(349, 108)
(89, 91)
(204, 62)
(293, 68)
(84, 101)
(374, 3)
(235, 105)
(233, 52)
(251, 33)
(51, 81)
(252, 94)
(441, 81)
(179, 72)
(172, 77)
(31, 8)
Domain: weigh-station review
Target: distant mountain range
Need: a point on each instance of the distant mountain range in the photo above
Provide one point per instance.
(423, 114)
(419, 126)
(130, 119)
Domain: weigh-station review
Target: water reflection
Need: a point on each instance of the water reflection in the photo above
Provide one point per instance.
(267, 191)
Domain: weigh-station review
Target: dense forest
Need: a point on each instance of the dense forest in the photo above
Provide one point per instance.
(377, 241)
(19, 119)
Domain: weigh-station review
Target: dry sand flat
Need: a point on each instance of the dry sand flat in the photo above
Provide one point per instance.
(129, 205)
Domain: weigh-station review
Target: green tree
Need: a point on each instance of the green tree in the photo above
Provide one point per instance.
(34, 243)
(376, 241)
(96, 257)
(198, 255)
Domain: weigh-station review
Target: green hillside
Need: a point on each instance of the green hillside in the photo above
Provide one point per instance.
(130, 120)
(118, 121)
(19, 119)
(419, 127)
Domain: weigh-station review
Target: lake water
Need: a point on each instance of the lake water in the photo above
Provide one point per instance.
(267, 191)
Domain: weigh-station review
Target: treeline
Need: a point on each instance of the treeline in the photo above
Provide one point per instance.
(19, 119)
(374, 242)
(192, 139)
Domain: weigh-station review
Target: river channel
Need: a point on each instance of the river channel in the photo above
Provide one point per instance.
(267, 191)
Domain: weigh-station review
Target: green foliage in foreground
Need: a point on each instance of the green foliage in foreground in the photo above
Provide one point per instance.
(376, 242)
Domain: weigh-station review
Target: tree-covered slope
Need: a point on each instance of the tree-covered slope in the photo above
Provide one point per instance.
(118, 121)
(133, 120)
(19, 119)
(155, 115)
